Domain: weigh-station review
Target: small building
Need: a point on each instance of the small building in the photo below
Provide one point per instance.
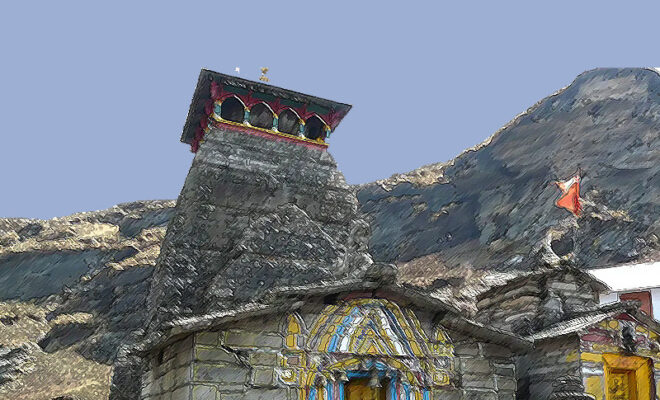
(607, 351)
(639, 282)
(265, 288)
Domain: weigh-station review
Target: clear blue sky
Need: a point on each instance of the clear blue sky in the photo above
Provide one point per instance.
(93, 95)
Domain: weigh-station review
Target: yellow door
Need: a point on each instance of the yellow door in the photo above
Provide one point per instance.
(358, 389)
(621, 385)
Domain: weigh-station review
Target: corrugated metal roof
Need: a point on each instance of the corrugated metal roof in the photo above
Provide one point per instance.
(630, 276)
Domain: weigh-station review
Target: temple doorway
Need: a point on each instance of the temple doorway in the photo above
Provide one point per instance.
(359, 389)
(622, 385)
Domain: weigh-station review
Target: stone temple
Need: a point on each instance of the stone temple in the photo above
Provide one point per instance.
(265, 288)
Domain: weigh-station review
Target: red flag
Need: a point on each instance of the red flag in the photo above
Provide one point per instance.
(570, 195)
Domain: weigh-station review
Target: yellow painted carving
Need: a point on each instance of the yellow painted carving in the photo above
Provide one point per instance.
(367, 326)
(216, 117)
(293, 330)
(604, 348)
(594, 386)
(359, 389)
(614, 324)
(591, 357)
(325, 340)
(627, 377)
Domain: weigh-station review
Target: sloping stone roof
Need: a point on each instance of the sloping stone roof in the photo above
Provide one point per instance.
(255, 215)
(593, 317)
(288, 299)
(203, 93)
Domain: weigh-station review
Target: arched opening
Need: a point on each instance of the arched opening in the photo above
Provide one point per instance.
(261, 116)
(314, 128)
(364, 388)
(288, 122)
(232, 110)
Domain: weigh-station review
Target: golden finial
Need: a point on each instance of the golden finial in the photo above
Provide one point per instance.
(263, 77)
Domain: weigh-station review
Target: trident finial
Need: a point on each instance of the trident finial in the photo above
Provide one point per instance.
(263, 77)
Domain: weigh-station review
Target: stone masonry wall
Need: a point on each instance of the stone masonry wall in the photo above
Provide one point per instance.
(540, 368)
(606, 339)
(487, 371)
(242, 362)
(237, 363)
(536, 302)
(169, 374)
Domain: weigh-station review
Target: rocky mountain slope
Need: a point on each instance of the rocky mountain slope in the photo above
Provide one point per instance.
(490, 211)
(73, 288)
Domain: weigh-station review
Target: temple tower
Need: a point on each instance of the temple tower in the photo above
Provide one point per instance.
(263, 205)
(265, 289)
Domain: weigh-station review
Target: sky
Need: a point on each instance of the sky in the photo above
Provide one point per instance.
(94, 95)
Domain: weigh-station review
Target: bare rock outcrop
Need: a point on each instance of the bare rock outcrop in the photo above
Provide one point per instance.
(491, 210)
(71, 291)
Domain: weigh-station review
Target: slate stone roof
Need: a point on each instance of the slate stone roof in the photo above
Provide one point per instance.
(203, 93)
(288, 299)
(592, 317)
(254, 215)
(584, 277)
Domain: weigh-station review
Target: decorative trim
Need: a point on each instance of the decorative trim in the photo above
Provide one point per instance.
(267, 133)
(357, 338)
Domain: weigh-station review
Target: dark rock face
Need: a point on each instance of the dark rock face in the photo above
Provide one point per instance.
(72, 290)
(65, 335)
(255, 214)
(11, 361)
(493, 207)
(36, 275)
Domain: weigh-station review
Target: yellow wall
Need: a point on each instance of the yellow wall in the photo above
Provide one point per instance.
(642, 367)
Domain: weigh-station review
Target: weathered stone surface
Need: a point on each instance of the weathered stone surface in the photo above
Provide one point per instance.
(506, 395)
(466, 349)
(504, 369)
(87, 282)
(182, 393)
(255, 214)
(263, 358)
(478, 381)
(448, 395)
(492, 207)
(479, 366)
(251, 339)
(207, 338)
(493, 350)
(266, 394)
(203, 392)
(489, 209)
(262, 377)
(219, 373)
(505, 383)
(525, 314)
(214, 354)
(479, 395)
